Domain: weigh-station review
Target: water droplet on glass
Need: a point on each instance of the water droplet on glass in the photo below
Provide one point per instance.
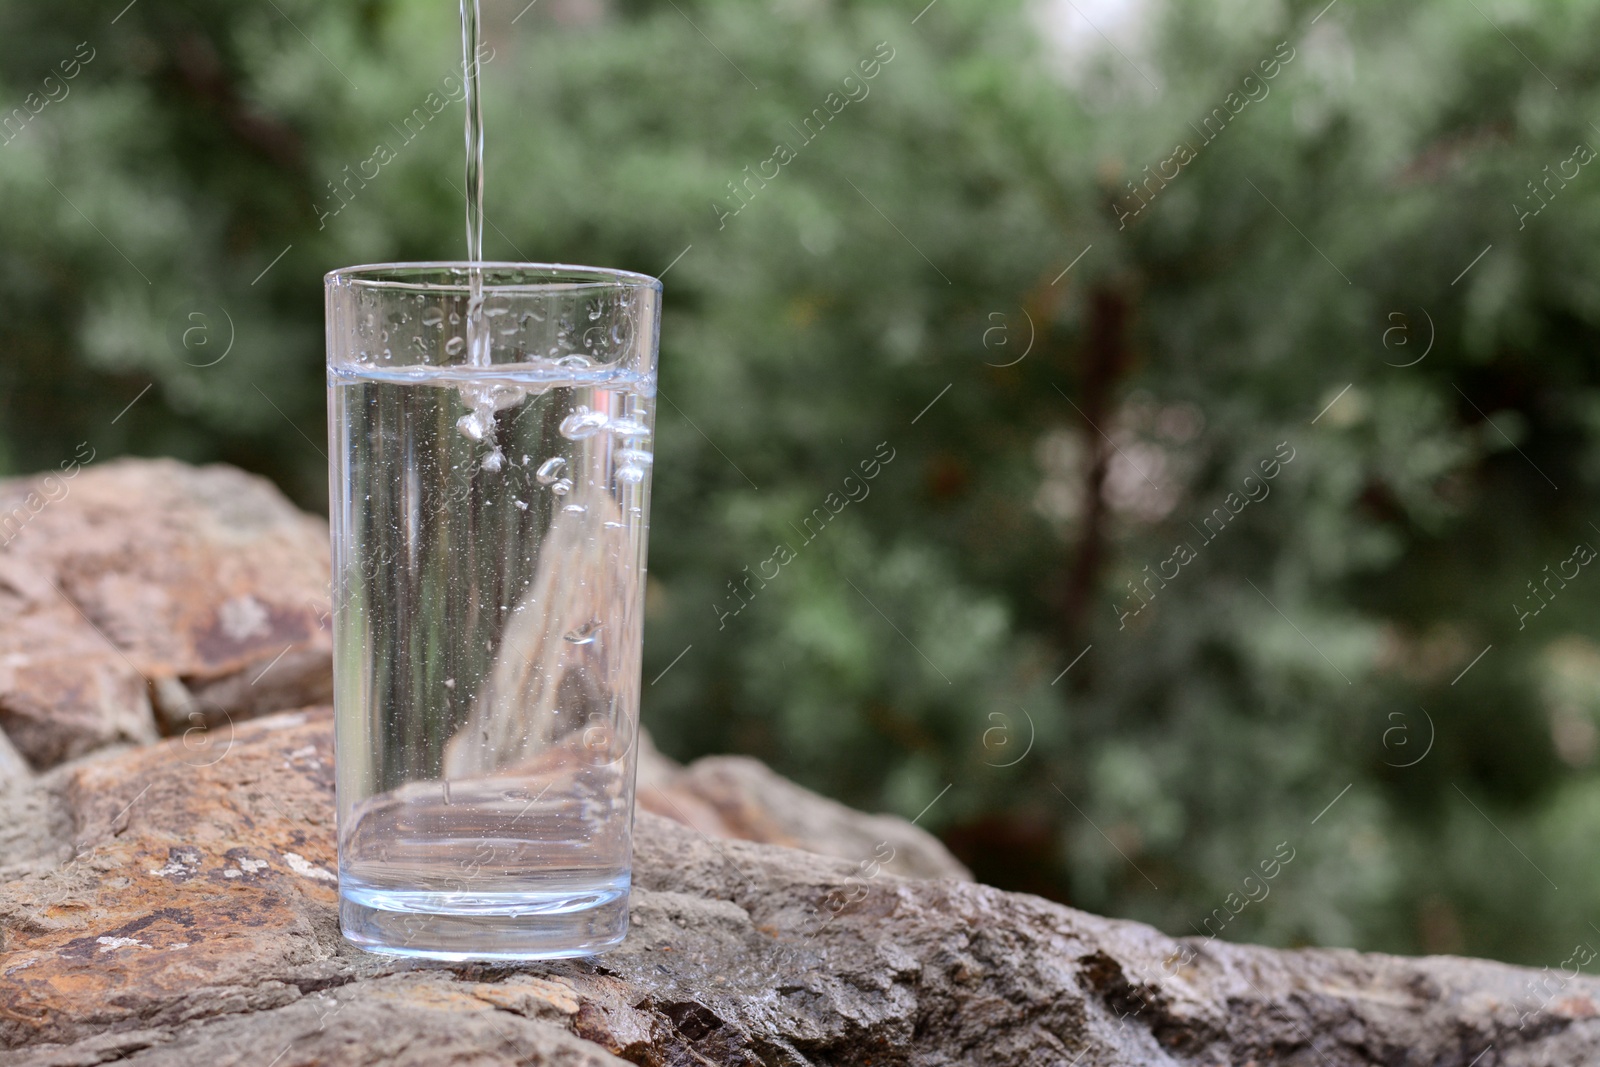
(493, 309)
(562, 488)
(419, 345)
(454, 346)
(549, 470)
(574, 362)
(432, 317)
(585, 634)
(583, 423)
(594, 313)
(455, 317)
(574, 509)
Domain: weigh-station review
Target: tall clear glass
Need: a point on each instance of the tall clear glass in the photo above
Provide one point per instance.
(490, 450)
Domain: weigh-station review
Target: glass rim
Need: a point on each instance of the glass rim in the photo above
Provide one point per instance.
(450, 276)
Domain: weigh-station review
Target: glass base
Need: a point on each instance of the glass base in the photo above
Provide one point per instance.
(485, 926)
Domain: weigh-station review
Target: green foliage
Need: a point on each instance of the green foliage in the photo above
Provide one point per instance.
(907, 255)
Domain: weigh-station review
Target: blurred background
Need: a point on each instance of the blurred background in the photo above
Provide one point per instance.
(1225, 374)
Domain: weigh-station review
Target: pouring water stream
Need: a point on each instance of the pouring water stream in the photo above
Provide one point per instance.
(484, 400)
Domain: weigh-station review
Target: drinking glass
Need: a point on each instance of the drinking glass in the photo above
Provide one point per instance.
(490, 433)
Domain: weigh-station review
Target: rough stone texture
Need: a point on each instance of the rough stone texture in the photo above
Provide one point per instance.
(14, 770)
(141, 595)
(188, 917)
(739, 797)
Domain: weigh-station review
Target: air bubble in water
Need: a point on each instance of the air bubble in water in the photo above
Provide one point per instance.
(454, 346)
(583, 423)
(562, 488)
(585, 634)
(574, 362)
(574, 509)
(471, 425)
(549, 470)
(494, 460)
(628, 427)
(634, 461)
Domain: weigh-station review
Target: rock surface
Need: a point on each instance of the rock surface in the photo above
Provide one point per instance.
(183, 912)
(146, 596)
(739, 797)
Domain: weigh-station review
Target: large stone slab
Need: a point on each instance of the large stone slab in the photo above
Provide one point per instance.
(188, 916)
(146, 596)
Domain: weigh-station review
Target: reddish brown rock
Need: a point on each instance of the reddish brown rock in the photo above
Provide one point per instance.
(140, 595)
(190, 919)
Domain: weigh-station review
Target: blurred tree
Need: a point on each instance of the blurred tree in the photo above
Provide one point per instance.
(1066, 318)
